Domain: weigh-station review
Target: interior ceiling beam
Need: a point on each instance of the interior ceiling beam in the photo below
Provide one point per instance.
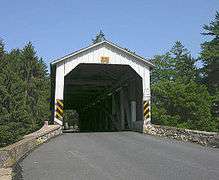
(84, 88)
(88, 82)
(82, 96)
(93, 91)
(83, 91)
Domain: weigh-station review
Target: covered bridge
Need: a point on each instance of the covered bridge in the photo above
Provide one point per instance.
(107, 85)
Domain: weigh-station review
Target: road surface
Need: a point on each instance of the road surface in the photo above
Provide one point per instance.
(119, 155)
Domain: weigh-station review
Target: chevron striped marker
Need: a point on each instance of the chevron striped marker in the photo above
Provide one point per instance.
(59, 109)
(146, 109)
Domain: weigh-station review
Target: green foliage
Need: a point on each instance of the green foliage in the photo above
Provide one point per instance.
(210, 55)
(71, 117)
(24, 91)
(11, 133)
(175, 64)
(184, 64)
(182, 105)
(178, 100)
(99, 37)
(210, 58)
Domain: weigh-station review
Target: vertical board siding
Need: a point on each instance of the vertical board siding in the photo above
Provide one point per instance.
(93, 55)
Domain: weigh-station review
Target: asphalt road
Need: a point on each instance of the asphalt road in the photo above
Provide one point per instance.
(122, 156)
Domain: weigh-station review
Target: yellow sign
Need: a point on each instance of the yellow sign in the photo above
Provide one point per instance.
(104, 59)
(59, 109)
(146, 109)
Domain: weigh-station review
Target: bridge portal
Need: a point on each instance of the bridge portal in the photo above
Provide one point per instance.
(107, 85)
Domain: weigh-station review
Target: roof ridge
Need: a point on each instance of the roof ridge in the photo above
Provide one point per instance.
(99, 43)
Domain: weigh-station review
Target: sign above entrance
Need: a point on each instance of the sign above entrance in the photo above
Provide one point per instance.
(105, 59)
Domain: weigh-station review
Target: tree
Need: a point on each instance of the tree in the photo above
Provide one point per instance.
(2, 51)
(99, 37)
(164, 68)
(210, 58)
(177, 63)
(33, 72)
(210, 55)
(24, 93)
(182, 105)
(178, 100)
(12, 112)
(184, 63)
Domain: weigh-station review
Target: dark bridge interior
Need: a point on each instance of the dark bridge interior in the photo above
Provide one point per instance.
(107, 97)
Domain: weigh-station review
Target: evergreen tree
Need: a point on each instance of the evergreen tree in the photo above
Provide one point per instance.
(164, 68)
(177, 63)
(24, 93)
(184, 63)
(210, 55)
(2, 51)
(34, 74)
(210, 58)
(184, 105)
(178, 100)
(13, 116)
(99, 37)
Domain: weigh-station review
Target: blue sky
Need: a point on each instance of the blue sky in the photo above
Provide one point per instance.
(148, 27)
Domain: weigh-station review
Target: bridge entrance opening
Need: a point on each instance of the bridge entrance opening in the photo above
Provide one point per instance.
(107, 97)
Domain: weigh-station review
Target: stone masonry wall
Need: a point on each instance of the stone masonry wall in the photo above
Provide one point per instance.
(200, 137)
(9, 155)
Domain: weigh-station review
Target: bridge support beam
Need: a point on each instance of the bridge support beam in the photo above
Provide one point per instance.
(122, 115)
(133, 111)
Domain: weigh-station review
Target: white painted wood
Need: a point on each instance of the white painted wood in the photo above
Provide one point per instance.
(93, 55)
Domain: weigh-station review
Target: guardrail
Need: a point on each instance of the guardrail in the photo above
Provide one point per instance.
(9, 155)
(203, 138)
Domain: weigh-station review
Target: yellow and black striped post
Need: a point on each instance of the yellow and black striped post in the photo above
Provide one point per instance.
(59, 109)
(146, 110)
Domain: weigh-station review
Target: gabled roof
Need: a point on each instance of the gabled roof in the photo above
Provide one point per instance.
(141, 59)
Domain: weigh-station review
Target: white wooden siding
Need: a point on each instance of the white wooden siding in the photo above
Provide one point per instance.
(93, 55)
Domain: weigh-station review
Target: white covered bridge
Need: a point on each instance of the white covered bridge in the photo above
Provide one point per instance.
(107, 85)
